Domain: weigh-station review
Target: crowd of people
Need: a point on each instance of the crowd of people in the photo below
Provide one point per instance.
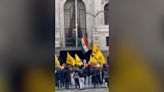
(81, 77)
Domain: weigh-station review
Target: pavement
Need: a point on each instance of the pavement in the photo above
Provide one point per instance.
(84, 90)
(102, 88)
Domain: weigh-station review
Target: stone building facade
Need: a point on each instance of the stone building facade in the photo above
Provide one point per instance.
(94, 21)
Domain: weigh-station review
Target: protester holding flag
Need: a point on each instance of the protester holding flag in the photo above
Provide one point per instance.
(81, 75)
(67, 77)
(76, 76)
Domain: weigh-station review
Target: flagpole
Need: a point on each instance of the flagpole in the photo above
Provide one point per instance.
(76, 23)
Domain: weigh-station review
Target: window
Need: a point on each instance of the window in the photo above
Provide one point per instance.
(106, 14)
(69, 22)
(107, 41)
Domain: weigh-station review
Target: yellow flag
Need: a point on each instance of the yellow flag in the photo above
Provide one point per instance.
(78, 60)
(92, 60)
(70, 60)
(95, 50)
(57, 63)
(97, 54)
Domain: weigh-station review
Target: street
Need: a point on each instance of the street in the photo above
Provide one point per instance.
(85, 90)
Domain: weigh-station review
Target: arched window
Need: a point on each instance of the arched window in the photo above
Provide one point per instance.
(106, 14)
(69, 22)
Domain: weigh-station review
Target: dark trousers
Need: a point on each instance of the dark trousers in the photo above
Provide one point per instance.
(85, 79)
(57, 83)
(77, 83)
(99, 80)
(63, 83)
(60, 83)
(67, 82)
(95, 80)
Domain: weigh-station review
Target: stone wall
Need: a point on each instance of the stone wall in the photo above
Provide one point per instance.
(95, 24)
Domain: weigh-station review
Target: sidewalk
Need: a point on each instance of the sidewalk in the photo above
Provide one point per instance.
(86, 90)
(73, 87)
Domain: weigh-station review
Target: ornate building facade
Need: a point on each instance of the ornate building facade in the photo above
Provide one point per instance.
(92, 18)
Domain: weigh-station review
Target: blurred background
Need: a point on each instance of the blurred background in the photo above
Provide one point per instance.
(26, 40)
(138, 25)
